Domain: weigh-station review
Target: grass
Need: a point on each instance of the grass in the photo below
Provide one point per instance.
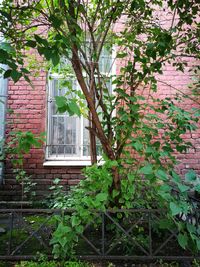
(45, 263)
(53, 264)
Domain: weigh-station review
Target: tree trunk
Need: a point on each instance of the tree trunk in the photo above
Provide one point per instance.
(95, 118)
(93, 146)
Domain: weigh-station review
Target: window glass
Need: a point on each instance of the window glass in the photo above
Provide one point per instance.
(68, 137)
(3, 92)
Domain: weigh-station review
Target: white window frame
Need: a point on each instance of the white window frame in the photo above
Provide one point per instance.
(3, 103)
(57, 160)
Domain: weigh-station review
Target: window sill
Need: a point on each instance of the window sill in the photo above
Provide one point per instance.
(57, 163)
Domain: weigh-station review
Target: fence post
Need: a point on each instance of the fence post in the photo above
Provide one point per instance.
(103, 233)
(10, 233)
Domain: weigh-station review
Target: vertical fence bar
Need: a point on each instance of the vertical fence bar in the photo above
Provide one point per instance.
(103, 233)
(10, 233)
(150, 234)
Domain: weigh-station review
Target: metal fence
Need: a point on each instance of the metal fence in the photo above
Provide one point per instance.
(112, 235)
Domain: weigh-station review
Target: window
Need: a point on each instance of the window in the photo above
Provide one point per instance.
(67, 137)
(3, 98)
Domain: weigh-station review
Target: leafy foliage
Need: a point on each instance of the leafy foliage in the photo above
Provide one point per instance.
(20, 143)
(167, 192)
(52, 264)
(57, 199)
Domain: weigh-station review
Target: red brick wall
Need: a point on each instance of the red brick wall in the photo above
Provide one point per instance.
(179, 82)
(29, 113)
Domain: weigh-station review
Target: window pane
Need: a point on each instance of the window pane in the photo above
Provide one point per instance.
(60, 140)
(86, 142)
(3, 92)
(64, 140)
(54, 135)
(55, 88)
(53, 107)
(63, 130)
(67, 136)
(105, 61)
(71, 145)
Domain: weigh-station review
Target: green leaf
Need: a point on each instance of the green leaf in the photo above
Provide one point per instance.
(165, 224)
(121, 55)
(56, 22)
(24, 70)
(7, 47)
(115, 193)
(119, 215)
(183, 188)
(7, 74)
(197, 188)
(182, 240)
(63, 241)
(55, 59)
(46, 52)
(165, 188)
(4, 55)
(6, 15)
(15, 75)
(101, 196)
(138, 145)
(191, 228)
(31, 43)
(79, 229)
(75, 220)
(26, 78)
(147, 169)
(161, 174)
(65, 229)
(56, 249)
(56, 181)
(198, 243)
(190, 176)
(175, 209)
(131, 177)
(40, 40)
(74, 107)
(175, 177)
(60, 101)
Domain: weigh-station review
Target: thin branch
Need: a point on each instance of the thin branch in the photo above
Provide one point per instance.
(78, 71)
(179, 91)
(95, 14)
(173, 18)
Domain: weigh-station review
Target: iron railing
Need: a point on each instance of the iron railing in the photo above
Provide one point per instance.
(112, 235)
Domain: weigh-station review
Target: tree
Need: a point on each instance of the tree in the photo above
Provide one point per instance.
(78, 30)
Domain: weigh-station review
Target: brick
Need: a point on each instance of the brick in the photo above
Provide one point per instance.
(49, 176)
(40, 171)
(75, 170)
(59, 171)
(66, 176)
(73, 182)
(43, 181)
(75, 176)
(32, 166)
(9, 193)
